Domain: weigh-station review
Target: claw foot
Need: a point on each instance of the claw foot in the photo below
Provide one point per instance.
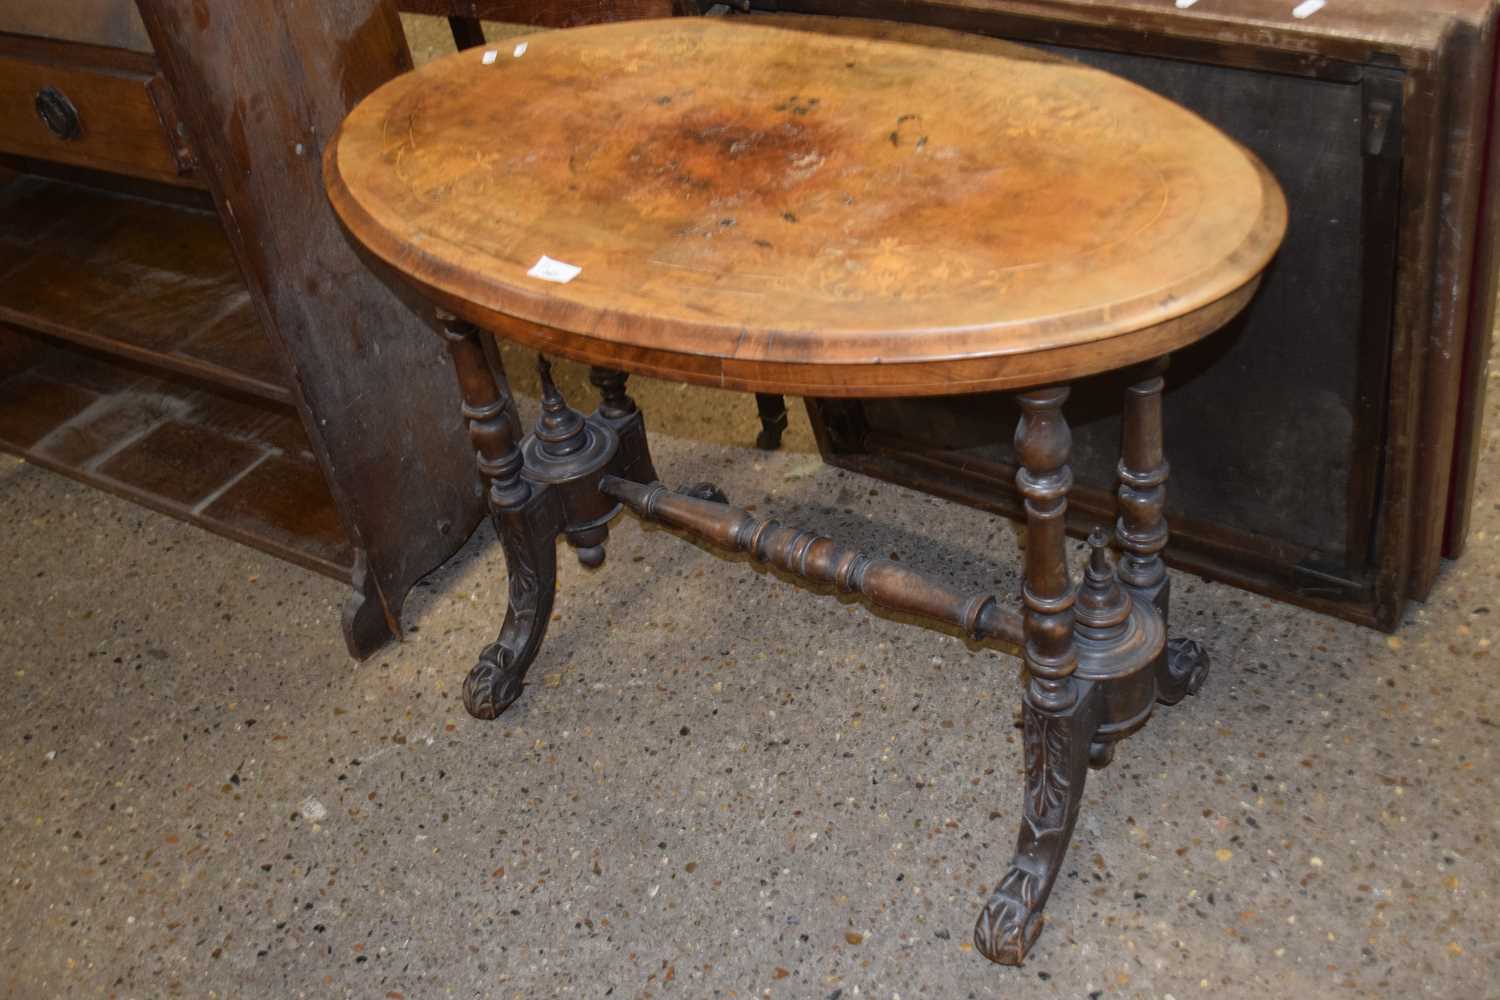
(1186, 669)
(704, 491)
(1011, 920)
(492, 685)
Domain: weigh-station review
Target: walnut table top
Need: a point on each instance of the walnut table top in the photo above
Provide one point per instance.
(827, 212)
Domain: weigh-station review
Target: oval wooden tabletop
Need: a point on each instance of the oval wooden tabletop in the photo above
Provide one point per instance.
(863, 209)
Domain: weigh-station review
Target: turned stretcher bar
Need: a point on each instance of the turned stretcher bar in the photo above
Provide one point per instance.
(820, 560)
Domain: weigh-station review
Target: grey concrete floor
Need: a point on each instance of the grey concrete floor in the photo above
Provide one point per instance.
(717, 784)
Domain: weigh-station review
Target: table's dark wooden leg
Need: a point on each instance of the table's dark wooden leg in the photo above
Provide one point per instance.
(1060, 711)
(468, 33)
(1142, 528)
(620, 411)
(524, 519)
(772, 409)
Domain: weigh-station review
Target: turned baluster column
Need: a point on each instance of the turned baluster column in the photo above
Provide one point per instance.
(620, 412)
(1060, 712)
(1142, 529)
(1043, 442)
(614, 402)
(487, 408)
(1142, 525)
(525, 523)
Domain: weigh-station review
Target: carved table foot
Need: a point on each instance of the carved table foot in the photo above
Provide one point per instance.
(1057, 759)
(1182, 670)
(529, 539)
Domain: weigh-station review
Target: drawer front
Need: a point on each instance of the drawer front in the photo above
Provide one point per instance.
(110, 119)
(112, 24)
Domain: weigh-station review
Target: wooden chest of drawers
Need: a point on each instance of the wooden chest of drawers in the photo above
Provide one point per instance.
(177, 301)
(91, 107)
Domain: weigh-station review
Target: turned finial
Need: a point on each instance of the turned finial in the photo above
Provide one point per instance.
(1103, 606)
(560, 427)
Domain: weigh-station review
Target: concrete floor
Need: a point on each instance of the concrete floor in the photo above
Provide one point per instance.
(717, 784)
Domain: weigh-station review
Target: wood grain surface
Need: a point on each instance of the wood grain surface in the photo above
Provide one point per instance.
(120, 125)
(111, 23)
(261, 85)
(809, 212)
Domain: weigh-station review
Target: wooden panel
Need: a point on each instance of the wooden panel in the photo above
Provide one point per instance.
(284, 499)
(237, 466)
(1469, 437)
(1233, 29)
(183, 463)
(1446, 273)
(128, 416)
(31, 408)
(548, 13)
(137, 278)
(112, 23)
(118, 126)
(1351, 556)
(262, 84)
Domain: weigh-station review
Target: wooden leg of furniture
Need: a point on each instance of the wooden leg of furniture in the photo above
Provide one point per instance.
(1059, 712)
(1057, 757)
(468, 33)
(528, 536)
(1090, 655)
(773, 418)
(1142, 528)
(364, 621)
(524, 520)
(617, 409)
(539, 489)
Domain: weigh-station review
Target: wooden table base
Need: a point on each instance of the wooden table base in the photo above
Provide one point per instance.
(1096, 652)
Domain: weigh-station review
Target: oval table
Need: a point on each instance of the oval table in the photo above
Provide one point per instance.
(824, 207)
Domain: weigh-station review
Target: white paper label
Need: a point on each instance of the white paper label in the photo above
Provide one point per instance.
(1185, 4)
(553, 270)
(1308, 8)
(489, 57)
(520, 50)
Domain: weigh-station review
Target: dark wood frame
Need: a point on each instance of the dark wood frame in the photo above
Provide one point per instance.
(1443, 302)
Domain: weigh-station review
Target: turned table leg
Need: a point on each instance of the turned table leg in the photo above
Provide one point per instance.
(1142, 527)
(617, 409)
(524, 522)
(1059, 711)
(773, 420)
(539, 488)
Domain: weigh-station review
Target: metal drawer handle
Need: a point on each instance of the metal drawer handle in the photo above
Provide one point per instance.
(58, 113)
